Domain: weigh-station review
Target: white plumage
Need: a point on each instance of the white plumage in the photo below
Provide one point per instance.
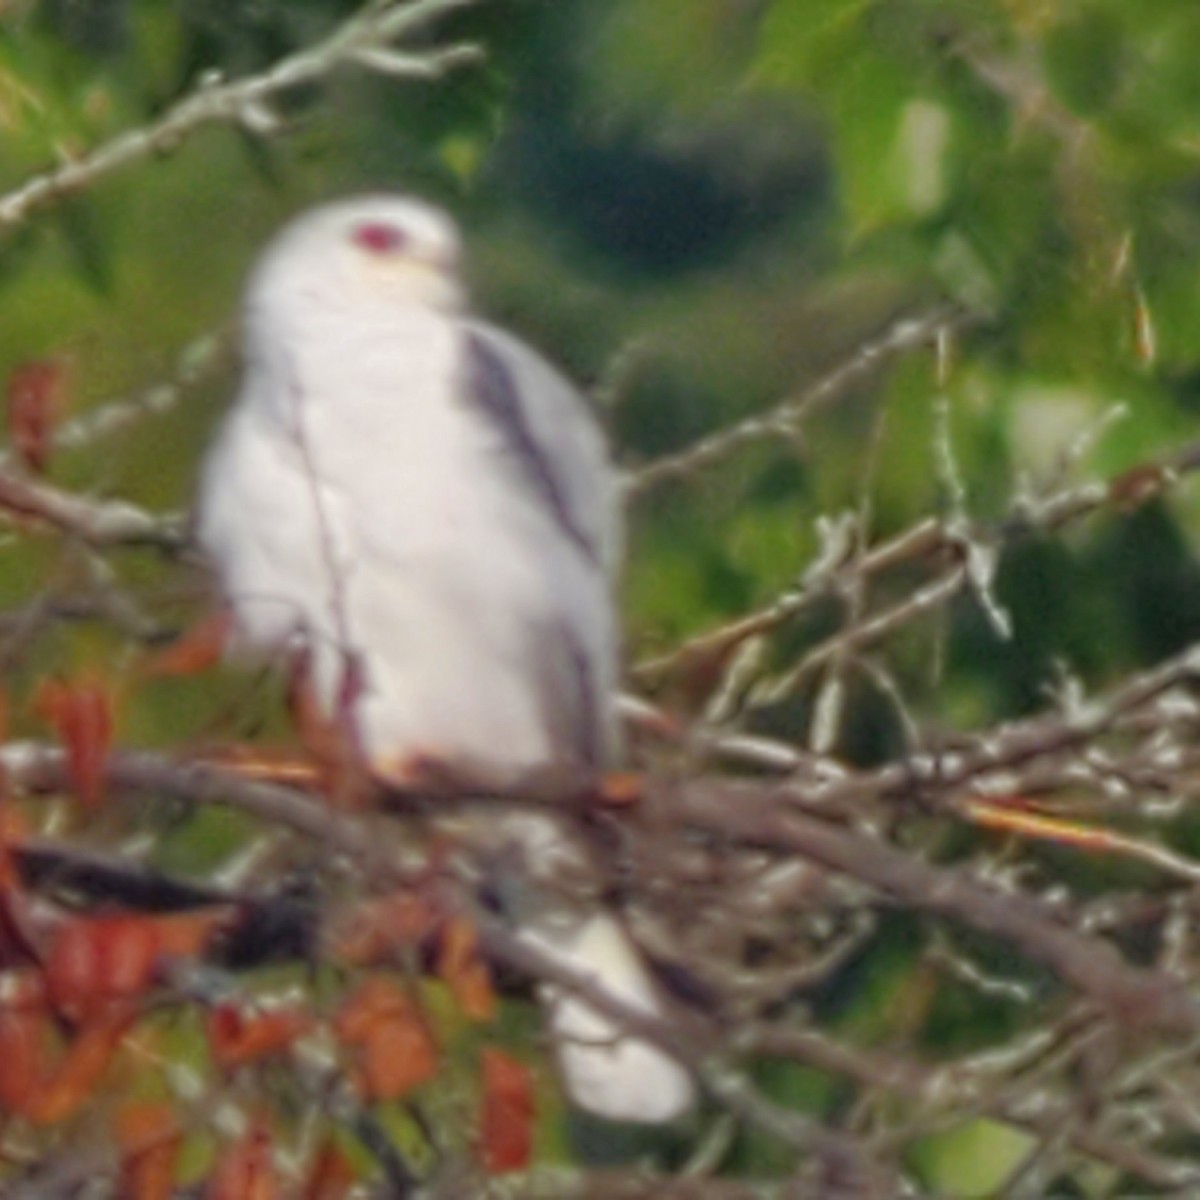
(424, 505)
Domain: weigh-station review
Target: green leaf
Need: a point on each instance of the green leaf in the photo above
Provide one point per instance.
(804, 45)
(1084, 58)
(974, 1160)
(87, 240)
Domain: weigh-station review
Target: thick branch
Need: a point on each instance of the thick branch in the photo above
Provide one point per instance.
(746, 813)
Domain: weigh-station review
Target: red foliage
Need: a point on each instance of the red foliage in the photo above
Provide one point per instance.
(82, 716)
(60, 1094)
(95, 960)
(395, 1049)
(36, 393)
(331, 1177)
(16, 941)
(246, 1169)
(24, 1033)
(464, 971)
(506, 1122)
(149, 1138)
(237, 1038)
(377, 929)
(621, 789)
(185, 935)
(198, 649)
(331, 741)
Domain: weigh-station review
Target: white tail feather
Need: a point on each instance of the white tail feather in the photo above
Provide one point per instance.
(606, 1072)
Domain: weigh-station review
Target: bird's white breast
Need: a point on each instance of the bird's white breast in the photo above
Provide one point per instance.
(357, 501)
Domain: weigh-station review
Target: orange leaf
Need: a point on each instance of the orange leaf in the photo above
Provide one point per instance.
(24, 1032)
(331, 1176)
(87, 1058)
(621, 789)
(238, 1038)
(246, 1169)
(149, 1137)
(331, 740)
(196, 650)
(1014, 814)
(185, 935)
(95, 960)
(14, 829)
(36, 390)
(464, 971)
(17, 943)
(395, 1050)
(82, 716)
(376, 930)
(506, 1123)
(268, 764)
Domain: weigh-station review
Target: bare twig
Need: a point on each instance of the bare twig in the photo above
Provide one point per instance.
(987, 759)
(785, 418)
(742, 813)
(198, 359)
(837, 572)
(365, 40)
(97, 522)
(867, 632)
(957, 1089)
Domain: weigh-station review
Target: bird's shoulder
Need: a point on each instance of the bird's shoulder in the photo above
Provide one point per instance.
(552, 429)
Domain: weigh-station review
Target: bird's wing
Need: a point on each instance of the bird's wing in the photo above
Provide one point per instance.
(552, 433)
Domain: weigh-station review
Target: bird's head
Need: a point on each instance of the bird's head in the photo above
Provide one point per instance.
(371, 254)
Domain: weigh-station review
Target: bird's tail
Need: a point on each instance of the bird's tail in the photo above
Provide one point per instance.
(607, 1072)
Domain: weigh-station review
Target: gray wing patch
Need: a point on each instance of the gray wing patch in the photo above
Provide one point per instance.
(591, 725)
(573, 706)
(493, 389)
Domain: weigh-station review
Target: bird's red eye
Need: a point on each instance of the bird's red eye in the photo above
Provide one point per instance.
(379, 237)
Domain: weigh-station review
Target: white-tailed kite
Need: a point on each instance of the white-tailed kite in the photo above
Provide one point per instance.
(422, 504)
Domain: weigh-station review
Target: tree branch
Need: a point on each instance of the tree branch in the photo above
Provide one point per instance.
(361, 41)
(786, 417)
(97, 522)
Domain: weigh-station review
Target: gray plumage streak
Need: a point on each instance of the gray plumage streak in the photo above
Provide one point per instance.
(414, 492)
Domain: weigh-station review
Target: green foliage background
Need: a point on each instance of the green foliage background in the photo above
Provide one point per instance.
(697, 207)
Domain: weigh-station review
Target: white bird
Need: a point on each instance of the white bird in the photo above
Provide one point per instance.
(424, 506)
